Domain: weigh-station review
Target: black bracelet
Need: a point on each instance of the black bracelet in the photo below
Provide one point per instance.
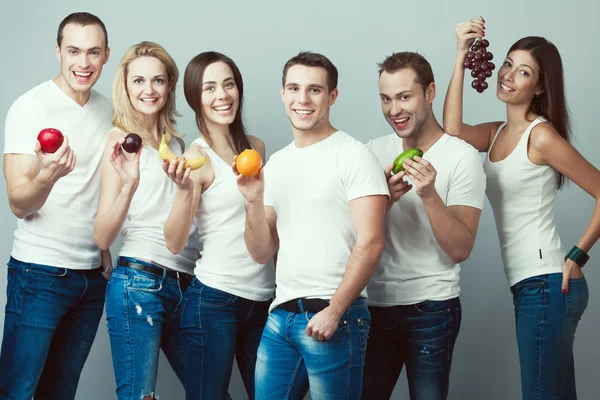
(578, 256)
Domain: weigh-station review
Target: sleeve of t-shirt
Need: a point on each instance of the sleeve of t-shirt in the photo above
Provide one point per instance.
(467, 184)
(23, 124)
(268, 195)
(361, 173)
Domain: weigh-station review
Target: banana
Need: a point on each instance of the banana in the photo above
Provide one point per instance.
(166, 154)
(194, 163)
(164, 151)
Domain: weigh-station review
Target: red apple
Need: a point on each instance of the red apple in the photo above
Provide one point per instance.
(50, 139)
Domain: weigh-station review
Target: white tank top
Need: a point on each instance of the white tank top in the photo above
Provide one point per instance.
(522, 195)
(226, 263)
(143, 228)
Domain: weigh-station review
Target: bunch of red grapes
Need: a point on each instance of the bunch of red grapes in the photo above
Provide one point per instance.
(479, 61)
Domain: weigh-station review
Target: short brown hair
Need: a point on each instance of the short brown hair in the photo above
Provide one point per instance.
(408, 59)
(81, 19)
(310, 59)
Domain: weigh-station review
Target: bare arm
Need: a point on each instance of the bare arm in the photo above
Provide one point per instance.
(258, 145)
(454, 227)
(120, 179)
(187, 196)
(478, 136)
(368, 219)
(261, 222)
(30, 179)
(106, 263)
(548, 147)
(260, 234)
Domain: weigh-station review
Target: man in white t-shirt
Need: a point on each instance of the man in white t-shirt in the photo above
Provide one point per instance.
(56, 274)
(323, 213)
(430, 228)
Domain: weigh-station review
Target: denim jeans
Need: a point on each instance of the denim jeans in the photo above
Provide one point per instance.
(219, 326)
(143, 314)
(290, 363)
(420, 336)
(546, 321)
(52, 315)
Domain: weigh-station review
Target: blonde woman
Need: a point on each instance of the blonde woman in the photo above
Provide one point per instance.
(144, 294)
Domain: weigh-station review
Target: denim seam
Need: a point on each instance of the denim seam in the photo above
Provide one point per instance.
(291, 386)
(18, 324)
(249, 313)
(130, 361)
(349, 333)
(539, 343)
(84, 289)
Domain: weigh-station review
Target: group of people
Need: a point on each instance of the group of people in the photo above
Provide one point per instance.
(367, 261)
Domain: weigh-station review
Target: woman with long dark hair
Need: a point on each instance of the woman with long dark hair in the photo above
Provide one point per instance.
(528, 158)
(226, 305)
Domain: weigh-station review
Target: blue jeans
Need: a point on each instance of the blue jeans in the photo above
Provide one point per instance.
(290, 362)
(143, 314)
(219, 326)
(420, 336)
(52, 315)
(546, 321)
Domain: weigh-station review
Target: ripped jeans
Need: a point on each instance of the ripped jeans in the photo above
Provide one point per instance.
(143, 314)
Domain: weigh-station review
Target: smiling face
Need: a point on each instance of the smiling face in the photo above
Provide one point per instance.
(220, 95)
(518, 78)
(82, 55)
(307, 98)
(404, 103)
(147, 85)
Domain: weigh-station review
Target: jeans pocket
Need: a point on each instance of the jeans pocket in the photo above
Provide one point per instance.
(190, 311)
(45, 271)
(577, 297)
(434, 307)
(144, 282)
(533, 283)
(364, 326)
(211, 297)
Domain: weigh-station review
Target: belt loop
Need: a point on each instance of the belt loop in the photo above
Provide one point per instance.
(300, 305)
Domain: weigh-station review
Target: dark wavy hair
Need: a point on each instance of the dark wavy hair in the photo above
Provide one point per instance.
(551, 103)
(192, 88)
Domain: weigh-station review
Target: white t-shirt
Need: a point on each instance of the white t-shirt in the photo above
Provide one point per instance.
(413, 267)
(61, 233)
(309, 189)
(143, 228)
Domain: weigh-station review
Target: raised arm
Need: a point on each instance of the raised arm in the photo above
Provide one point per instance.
(30, 179)
(260, 233)
(120, 179)
(187, 196)
(478, 136)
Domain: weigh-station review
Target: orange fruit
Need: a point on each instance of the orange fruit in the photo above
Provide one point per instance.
(248, 162)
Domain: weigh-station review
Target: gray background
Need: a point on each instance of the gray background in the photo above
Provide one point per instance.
(260, 37)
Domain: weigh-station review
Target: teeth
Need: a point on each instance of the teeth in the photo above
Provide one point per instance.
(223, 108)
(303, 112)
(148, 100)
(84, 74)
(506, 88)
(400, 121)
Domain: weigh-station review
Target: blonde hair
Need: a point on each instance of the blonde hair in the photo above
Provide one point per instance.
(124, 115)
